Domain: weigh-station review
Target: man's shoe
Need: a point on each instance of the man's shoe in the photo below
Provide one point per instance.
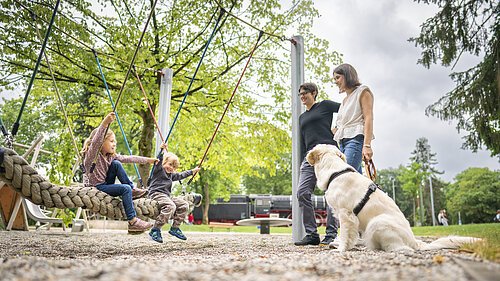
(308, 240)
(155, 234)
(177, 233)
(327, 240)
(334, 244)
(139, 226)
(138, 192)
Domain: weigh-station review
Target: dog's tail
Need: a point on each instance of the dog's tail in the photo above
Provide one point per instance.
(449, 242)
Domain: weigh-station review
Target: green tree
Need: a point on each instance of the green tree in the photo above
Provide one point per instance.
(275, 182)
(423, 156)
(467, 27)
(252, 134)
(475, 195)
(386, 179)
(411, 178)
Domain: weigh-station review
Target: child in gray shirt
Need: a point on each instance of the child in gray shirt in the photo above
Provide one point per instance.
(160, 189)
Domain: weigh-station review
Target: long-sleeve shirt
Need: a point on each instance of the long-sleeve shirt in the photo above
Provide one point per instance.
(98, 176)
(315, 125)
(161, 181)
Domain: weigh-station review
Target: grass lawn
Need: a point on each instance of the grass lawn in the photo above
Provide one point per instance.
(489, 248)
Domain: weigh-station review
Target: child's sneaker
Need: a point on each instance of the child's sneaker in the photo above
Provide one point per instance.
(138, 193)
(175, 231)
(139, 226)
(155, 234)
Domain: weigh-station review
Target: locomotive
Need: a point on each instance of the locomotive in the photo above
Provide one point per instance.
(259, 206)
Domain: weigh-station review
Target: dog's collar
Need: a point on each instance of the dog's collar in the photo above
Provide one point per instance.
(336, 174)
(371, 188)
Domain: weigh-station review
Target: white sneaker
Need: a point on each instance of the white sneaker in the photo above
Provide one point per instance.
(335, 244)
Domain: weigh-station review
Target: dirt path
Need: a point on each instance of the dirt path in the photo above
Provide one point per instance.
(42, 255)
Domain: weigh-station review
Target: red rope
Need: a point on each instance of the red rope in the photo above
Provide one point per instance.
(149, 105)
(227, 105)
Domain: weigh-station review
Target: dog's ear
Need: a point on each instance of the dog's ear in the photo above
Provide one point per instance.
(313, 156)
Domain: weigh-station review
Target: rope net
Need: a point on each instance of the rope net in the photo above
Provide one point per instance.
(25, 180)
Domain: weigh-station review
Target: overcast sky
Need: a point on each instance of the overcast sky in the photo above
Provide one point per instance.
(372, 36)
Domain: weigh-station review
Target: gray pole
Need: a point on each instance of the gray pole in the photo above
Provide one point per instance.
(298, 231)
(164, 106)
(393, 190)
(422, 203)
(432, 201)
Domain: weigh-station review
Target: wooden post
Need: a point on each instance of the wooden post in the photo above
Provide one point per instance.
(9, 202)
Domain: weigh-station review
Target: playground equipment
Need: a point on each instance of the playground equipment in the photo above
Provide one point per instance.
(25, 180)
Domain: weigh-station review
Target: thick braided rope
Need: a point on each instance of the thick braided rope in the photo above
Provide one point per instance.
(32, 186)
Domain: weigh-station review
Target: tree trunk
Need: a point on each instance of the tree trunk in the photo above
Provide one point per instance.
(206, 204)
(146, 143)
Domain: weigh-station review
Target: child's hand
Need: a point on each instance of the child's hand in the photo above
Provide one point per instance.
(109, 118)
(196, 170)
(152, 160)
(163, 146)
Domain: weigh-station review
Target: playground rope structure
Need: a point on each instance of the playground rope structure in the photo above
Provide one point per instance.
(25, 180)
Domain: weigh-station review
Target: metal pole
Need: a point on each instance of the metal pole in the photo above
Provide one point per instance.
(393, 190)
(421, 203)
(432, 201)
(164, 108)
(298, 230)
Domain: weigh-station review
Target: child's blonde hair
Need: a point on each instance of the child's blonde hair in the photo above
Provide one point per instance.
(87, 142)
(172, 158)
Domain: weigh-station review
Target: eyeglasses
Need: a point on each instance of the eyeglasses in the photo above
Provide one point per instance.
(303, 93)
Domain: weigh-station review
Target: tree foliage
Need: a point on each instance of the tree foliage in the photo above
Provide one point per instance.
(275, 182)
(254, 133)
(467, 27)
(475, 195)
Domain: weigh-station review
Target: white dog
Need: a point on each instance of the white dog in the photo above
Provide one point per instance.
(380, 221)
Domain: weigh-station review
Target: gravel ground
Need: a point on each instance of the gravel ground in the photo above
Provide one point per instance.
(52, 255)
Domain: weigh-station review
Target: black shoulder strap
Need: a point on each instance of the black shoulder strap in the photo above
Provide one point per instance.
(365, 199)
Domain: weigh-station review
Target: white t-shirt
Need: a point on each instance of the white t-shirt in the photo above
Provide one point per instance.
(350, 121)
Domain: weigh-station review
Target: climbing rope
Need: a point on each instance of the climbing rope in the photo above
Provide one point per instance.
(59, 98)
(7, 136)
(221, 13)
(228, 103)
(117, 116)
(88, 48)
(15, 127)
(25, 180)
(92, 167)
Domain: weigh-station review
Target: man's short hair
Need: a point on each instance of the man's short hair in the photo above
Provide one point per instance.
(309, 88)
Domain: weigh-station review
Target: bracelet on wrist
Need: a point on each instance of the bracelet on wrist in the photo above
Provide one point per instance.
(367, 145)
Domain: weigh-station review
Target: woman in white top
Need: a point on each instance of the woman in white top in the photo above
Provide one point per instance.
(353, 129)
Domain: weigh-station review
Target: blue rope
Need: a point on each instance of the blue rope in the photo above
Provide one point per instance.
(222, 11)
(116, 113)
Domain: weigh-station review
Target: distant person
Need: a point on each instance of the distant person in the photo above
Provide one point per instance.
(443, 218)
(190, 218)
(108, 168)
(314, 125)
(353, 129)
(497, 217)
(160, 189)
